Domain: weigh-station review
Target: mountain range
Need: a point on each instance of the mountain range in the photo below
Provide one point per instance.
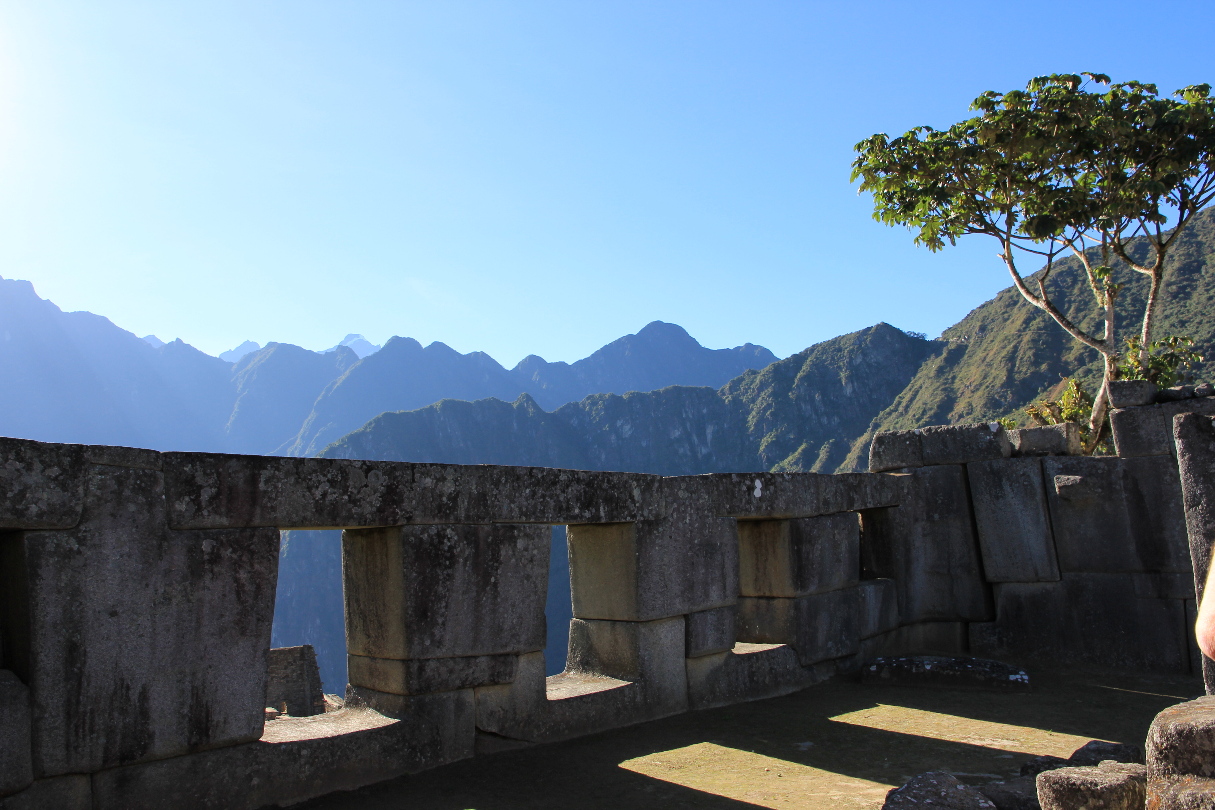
(76, 377)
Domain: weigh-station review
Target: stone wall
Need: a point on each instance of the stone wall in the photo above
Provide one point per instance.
(137, 593)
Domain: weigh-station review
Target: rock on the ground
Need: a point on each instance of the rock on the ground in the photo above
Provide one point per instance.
(936, 789)
(951, 672)
(1108, 786)
(1015, 794)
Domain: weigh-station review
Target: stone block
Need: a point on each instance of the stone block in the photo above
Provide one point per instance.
(895, 450)
(819, 627)
(878, 606)
(1152, 489)
(1132, 393)
(793, 558)
(923, 638)
(1088, 508)
(1011, 516)
(1166, 585)
(72, 792)
(1112, 785)
(142, 642)
(299, 759)
(1181, 793)
(1148, 431)
(748, 672)
(1181, 740)
(1047, 440)
(710, 631)
(41, 484)
(787, 495)
(928, 547)
(16, 762)
(136, 458)
(572, 704)
(445, 591)
(421, 676)
(1084, 619)
(960, 444)
(648, 652)
(1015, 794)
(293, 680)
(653, 569)
(1195, 437)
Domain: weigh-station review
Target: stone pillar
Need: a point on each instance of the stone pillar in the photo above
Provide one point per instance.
(138, 642)
(1195, 437)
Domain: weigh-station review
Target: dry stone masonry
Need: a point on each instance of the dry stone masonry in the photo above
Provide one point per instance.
(137, 592)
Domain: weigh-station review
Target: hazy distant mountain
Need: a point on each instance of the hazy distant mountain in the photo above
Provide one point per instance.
(155, 342)
(361, 346)
(78, 377)
(234, 355)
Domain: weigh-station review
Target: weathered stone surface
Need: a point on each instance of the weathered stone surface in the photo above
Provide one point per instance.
(928, 547)
(960, 444)
(1181, 793)
(1165, 585)
(633, 651)
(421, 676)
(878, 606)
(922, 638)
(136, 458)
(1095, 752)
(1011, 518)
(1047, 440)
(211, 490)
(748, 672)
(308, 757)
(1109, 786)
(294, 681)
(950, 672)
(895, 450)
(1015, 794)
(1094, 528)
(1177, 393)
(798, 557)
(789, 495)
(143, 642)
(936, 789)
(1195, 437)
(653, 569)
(1181, 740)
(1084, 618)
(710, 631)
(16, 762)
(1152, 488)
(445, 591)
(1148, 431)
(41, 484)
(72, 792)
(1132, 393)
(572, 704)
(819, 627)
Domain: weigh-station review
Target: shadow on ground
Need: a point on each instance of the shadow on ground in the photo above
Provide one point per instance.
(838, 745)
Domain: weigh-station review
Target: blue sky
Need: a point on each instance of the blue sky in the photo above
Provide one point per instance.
(523, 177)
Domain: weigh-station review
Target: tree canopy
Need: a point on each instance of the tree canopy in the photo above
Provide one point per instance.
(1073, 164)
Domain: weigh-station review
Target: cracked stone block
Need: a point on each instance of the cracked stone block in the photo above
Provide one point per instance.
(421, 676)
(878, 605)
(445, 591)
(748, 672)
(960, 444)
(1011, 517)
(1047, 440)
(1148, 430)
(793, 558)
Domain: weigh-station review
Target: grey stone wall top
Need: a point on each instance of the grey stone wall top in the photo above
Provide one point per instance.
(41, 485)
(939, 444)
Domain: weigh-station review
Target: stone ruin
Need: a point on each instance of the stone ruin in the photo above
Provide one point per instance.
(137, 594)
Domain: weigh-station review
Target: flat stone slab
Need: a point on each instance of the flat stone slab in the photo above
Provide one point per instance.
(1108, 786)
(949, 672)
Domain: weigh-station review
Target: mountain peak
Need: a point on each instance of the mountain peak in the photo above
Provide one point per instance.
(234, 355)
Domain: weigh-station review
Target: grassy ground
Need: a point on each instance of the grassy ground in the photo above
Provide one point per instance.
(839, 745)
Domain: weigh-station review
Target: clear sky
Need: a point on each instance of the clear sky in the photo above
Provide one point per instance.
(515, 177)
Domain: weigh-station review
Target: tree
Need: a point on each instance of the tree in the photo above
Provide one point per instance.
(1071, 165)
